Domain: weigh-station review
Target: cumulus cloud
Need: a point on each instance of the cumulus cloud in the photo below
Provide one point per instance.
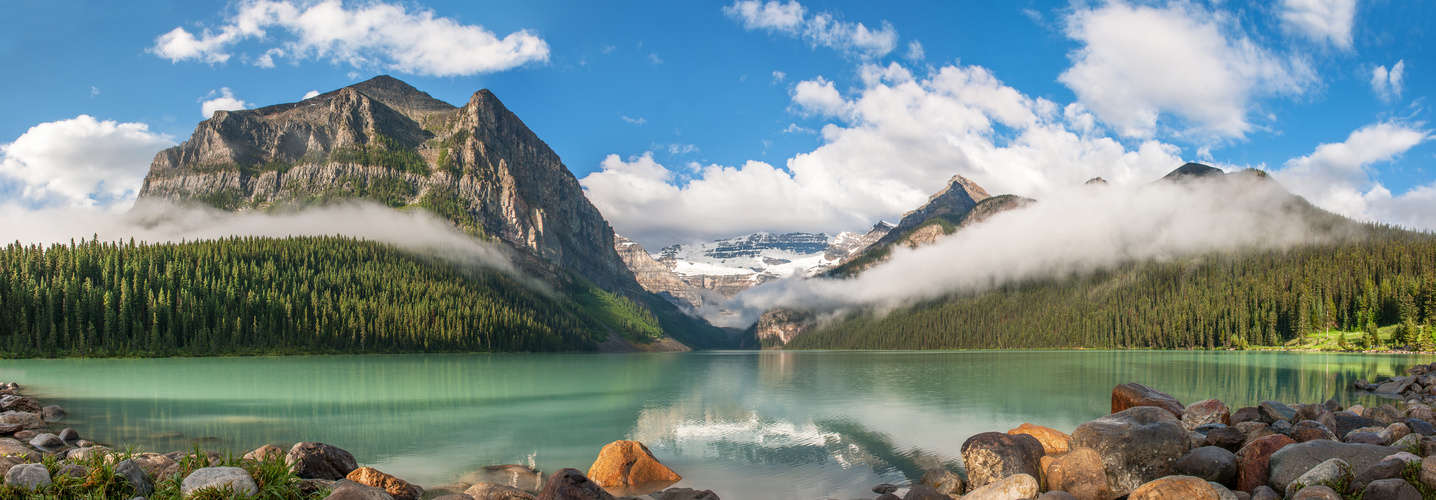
(1338, 176)
(1074, 230)
(635, 121)
(1387, 84)
(224, 101)
(778, 76)
(372, 35)
(1322, 21)
(819, 30)
(1139, 63)
(81, 161)
(895, 141)
(914, 51)
(311, 94)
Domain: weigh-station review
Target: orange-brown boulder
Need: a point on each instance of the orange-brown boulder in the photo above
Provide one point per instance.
(1054, 442)
(1175, 488)
(397, 488)
(625, 465)
(1081, 474)
(1254, 460)
(1133, 394)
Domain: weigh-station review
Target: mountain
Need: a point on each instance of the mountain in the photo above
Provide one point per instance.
(1347, 274)
(476, 165)
(707, 274)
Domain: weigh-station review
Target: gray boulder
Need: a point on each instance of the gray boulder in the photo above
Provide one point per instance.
(25, 419)
(1137, 445)
(234, 479)
(684, 494)
(53, 413)
(1391, 489)
(320, 461)
(69, 435)
(1347, 421)
(1389, 468)
(1334, 473)
(1208, 463)
(28, 476)
(1317, 492)
(1273, 411)
(940, 479)
(48, 442)
(924, 492)
(495, 491)
(345, 489)
(136, 476)
(1290, 462)
(570, 484)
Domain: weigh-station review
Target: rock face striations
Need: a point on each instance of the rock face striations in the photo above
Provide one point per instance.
(477, 165)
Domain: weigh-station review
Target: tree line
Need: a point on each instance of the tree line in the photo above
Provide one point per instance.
(272, 296)
(1219, 300)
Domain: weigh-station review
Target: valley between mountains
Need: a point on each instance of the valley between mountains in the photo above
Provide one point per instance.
(1244, 262)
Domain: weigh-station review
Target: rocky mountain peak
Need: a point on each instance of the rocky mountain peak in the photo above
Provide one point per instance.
(1193, 170)
(955, 199)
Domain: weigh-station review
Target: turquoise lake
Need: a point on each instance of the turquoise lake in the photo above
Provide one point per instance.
(748, 425)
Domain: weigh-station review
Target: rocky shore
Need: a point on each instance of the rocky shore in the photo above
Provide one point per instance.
(1150, 447)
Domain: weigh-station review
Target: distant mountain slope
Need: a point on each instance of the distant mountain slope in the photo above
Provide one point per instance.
(707, 274)
(1351, 272)
(476, 165)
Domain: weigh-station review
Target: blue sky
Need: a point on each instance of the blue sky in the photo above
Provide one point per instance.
(699, 120)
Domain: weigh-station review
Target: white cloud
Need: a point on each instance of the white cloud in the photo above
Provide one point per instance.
(914, 51)
(311, 94)
(793, 128)
(894, 142)
(1388, 84)
(653, 58)
(1323, 21)
(778, 76)
(82, 161)
(1139, 63)
(819, 30)
(370, 35)
(94, 91)
(681, 149)
(1337, 176)
(225, 101)
(818, 96)
(635, 121)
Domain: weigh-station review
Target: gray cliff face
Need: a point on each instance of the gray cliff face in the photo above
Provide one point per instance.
(656, 276)
(386, 141)
(957, 198)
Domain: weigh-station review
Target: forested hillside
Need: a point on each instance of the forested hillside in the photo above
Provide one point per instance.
(1215, 300)
(295, 295)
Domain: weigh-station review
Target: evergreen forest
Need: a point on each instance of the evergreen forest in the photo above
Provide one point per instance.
(246, 296)
(1223, 300)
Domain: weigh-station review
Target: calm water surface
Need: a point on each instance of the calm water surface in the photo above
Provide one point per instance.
(748, 425)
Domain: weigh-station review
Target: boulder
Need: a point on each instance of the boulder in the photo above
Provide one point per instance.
(1056, 495)
(28, 476)
(1133, 395)
(569, 484)
(1394, 432)
(264, 454)
(1208, 463)
(1347, 421)
(629, 465)
(1385, 414)
(940, 479)
(136, 476)
(1264, 493)
(519, 476)
(48, 442)
(1317, 492)
(1427, 476)
(1175, 488)
(1080, 473)
(234, 479)
(1365, 437)
(1272, 411)
(1391, 489)
(88, 452)
(1420, 426)
(152, 463)
(26, 420)
(1334, 473)
(924, 492)
(1290, 462)
(991, 456)
(889, 487)
(69, 435)
(1053, 441)
(1206, 411)
(1229, 438)
(21, 403)
(1014, 487)
(53, 413)
(1245, 414)
(1411, 441)
(1390, 468)
(1223, 493)
(397, 488)
(345, 489)
(684, 494)
(320, 461)
(1394, 385)
(1253, 430)
(1253, 461)
(11, 447)
(454, 496)
(1307, 430)
(1137, 445)
(495, 491)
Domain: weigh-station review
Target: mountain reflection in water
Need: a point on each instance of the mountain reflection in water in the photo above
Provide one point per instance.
(748, 425)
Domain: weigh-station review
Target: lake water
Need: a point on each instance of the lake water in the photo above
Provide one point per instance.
(748, 425)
